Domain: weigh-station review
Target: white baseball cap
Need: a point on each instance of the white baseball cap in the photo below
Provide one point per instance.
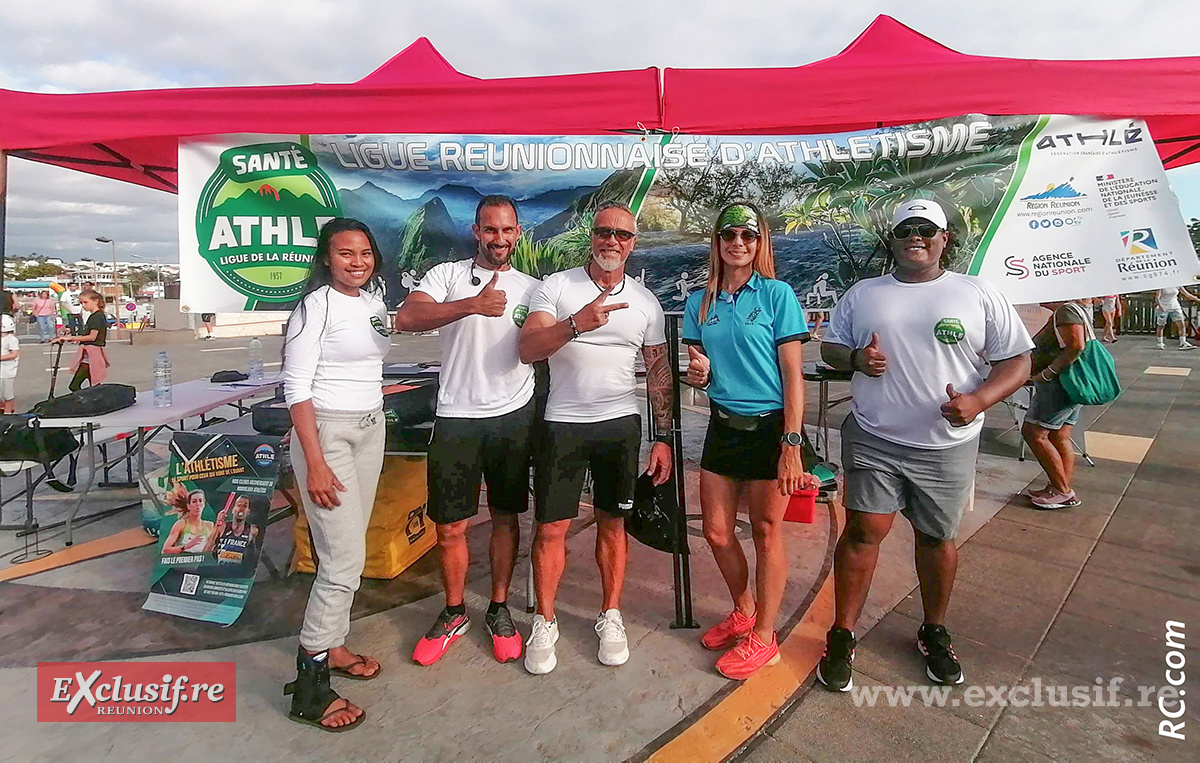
(7, 324)
(923, 208)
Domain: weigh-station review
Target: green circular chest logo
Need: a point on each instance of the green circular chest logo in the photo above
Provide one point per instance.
(258, 217)
(949, 331)
(519, 314)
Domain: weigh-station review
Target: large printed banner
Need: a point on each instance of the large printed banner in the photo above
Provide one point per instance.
(1051, 207)
(210, 540)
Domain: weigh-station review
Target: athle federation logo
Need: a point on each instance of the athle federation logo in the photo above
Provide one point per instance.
(258, 217)
(1139, 241)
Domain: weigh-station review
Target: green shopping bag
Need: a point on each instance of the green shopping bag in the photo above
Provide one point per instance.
(1092, 378)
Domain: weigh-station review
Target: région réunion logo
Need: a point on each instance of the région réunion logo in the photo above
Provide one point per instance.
(258, 217)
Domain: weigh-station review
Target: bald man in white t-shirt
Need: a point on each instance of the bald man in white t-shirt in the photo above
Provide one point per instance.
(485, 413)
(592, 322)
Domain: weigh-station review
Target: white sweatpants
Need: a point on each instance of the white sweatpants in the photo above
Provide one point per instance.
(352, 443)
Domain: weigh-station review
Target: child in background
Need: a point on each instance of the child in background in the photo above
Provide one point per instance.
(10, 348)
(91, 363)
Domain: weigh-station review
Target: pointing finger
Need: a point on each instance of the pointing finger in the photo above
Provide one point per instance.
(615, 306)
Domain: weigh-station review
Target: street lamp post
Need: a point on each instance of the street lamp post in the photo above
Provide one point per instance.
(157, 267)
(116, 287)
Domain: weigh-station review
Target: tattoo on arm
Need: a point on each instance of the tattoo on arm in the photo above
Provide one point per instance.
(658, 386)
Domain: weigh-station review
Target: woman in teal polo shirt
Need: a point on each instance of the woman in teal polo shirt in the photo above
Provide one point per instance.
(744, 333)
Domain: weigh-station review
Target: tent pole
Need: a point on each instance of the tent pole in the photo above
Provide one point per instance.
(3, 198)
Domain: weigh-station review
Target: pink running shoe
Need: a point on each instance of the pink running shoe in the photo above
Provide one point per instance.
(728, 632)
(745, 659)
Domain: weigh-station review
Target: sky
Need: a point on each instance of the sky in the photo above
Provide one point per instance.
(93, 45)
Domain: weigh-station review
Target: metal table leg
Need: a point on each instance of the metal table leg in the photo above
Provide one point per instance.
(90, 437)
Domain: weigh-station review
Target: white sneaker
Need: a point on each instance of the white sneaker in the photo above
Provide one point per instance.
(1186, 345)
(614, 647)
(1161, 346)
(539, 649)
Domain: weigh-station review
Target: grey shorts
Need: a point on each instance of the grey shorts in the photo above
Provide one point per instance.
(930, 487)
(1050, 408)
(8, 388)
(1161, 317)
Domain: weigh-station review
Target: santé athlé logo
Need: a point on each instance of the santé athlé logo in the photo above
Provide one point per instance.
(258, 217)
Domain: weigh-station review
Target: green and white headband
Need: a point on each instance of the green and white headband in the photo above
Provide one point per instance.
(738, 216)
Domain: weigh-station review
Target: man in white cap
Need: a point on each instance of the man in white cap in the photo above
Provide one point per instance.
(921, 340)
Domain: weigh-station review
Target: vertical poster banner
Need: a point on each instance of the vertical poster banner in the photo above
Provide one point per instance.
(1050, 207)
(210, 538)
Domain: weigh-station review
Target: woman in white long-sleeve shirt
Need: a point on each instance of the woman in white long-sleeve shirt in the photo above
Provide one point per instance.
(333, 355)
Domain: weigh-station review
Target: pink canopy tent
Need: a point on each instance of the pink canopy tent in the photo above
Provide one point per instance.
(133, 136)
(893, 75)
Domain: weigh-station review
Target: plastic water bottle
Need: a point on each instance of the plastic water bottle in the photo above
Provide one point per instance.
(255, 370)
(162, 380)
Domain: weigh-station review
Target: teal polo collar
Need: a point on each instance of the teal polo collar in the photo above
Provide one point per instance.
(754, 283)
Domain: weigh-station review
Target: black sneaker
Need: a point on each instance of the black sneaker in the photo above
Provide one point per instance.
(941, 665)
(834, 671)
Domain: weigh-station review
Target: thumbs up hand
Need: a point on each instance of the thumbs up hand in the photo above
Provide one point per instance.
(699, 367)
(491, 301)
(962, 407)
(871, 360)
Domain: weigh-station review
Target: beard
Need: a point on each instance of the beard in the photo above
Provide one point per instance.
(608, 264)
(494, 258)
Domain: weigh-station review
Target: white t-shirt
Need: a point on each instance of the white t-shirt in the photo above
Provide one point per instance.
(482, 374)
(8, 368)
(934, 333)
(334, 357)
(70, 300)
(1167, 300)
(592, 377)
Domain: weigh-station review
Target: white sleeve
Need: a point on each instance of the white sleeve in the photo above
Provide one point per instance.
(436, 282)
(302, 350)
(656, 332)
(1005, 335)
(841, 326)
(545, 299)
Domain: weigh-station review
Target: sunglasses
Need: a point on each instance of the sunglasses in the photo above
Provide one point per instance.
(619, 233)
(746, 235)
(924, 230)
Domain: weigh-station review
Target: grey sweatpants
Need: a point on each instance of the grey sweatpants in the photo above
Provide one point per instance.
(352, 443)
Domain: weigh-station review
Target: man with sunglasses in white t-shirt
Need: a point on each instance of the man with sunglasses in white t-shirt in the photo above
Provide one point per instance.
(931, 351)
(591, 323)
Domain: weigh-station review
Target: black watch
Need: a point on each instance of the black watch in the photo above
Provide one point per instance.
(792, 438)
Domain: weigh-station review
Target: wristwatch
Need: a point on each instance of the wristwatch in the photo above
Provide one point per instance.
(792, 438)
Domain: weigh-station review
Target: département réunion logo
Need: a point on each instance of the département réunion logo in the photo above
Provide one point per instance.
(258, 217)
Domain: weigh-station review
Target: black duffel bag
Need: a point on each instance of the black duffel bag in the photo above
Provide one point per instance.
(90, 401)
(271, 417)
(21, 439)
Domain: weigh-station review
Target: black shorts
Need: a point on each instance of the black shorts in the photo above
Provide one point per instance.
(462, 449)
(609, 448)
(207, 317)
(742, 455)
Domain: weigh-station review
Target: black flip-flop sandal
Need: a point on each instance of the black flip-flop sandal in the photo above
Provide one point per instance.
(317, 721)
(344, 671)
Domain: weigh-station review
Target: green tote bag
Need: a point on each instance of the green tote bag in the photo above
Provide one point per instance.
(1092, 378)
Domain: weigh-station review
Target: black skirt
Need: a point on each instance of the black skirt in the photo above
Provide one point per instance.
(744, 455)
